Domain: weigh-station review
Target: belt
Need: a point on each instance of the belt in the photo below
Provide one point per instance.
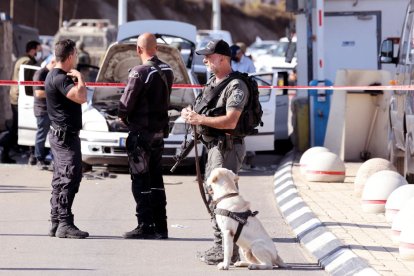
(216, 141)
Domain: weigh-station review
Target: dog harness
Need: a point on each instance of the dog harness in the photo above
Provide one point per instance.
(240, 217)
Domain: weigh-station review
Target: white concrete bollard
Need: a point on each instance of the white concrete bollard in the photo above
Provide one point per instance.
(307, 157)
(406, 247)
(367, 169)
(378, 188)
(325, 167)
(396, 200)
(403, 217)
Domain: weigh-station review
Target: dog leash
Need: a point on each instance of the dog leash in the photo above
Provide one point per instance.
(198, 171)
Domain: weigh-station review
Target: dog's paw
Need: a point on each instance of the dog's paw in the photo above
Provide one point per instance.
(222, 266)
(241, 264)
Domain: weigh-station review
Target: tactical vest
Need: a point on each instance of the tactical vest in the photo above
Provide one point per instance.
(206, 104)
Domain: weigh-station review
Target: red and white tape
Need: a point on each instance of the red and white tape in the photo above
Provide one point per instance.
(197, 86)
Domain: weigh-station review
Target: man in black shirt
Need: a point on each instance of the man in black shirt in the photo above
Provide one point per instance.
(64, 99)
(144, 108)
(40, 112)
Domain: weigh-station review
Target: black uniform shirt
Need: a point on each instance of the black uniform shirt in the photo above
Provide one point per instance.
(40, 107)
(145, 100)
(62, 111)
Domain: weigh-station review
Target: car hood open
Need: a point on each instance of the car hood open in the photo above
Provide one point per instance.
(120, 57)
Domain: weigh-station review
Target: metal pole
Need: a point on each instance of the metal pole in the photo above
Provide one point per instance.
(12, 9)
(320, 11)
(122, 11)
(216, 15)
(309, 31)
(60, 13)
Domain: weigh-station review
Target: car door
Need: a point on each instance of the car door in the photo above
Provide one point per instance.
(27, 121)
(264, 139)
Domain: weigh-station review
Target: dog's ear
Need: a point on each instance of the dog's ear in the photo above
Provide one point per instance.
(214, 175)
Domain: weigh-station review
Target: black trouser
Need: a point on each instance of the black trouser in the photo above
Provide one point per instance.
(144, 156)
(67, 174)
(15, 126)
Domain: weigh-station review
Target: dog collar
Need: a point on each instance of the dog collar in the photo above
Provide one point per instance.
(215, 202)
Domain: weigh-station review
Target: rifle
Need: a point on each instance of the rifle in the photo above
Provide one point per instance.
(186, 147)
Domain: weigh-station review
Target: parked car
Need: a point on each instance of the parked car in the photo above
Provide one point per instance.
(260, 47)
(275, 133)
(275, 58)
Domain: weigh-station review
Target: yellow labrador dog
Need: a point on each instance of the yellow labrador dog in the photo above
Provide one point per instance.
(238, 224)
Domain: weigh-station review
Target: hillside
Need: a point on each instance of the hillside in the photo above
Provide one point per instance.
(244, 22)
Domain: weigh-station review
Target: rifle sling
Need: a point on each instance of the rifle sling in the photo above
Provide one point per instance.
(208, 98)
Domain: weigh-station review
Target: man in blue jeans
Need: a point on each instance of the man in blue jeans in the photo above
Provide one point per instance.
(40, 112)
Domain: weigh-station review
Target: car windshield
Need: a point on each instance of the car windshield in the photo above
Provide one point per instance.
(262, 45)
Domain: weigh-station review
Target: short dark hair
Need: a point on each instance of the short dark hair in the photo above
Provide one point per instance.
(32, 44)
(63, 49)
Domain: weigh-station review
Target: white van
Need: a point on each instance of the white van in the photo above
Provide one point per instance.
(401, 107)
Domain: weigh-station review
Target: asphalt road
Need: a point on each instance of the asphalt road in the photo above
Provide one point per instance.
(105, 208)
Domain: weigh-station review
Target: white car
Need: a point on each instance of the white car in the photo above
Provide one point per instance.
(275, 58)
(260, 47)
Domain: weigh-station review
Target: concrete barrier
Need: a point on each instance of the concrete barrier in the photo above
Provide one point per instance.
(403, 217)
(307, 157)
(367, 169)
(396, 200)
(378, 188)
(406, 247)
(325, 167)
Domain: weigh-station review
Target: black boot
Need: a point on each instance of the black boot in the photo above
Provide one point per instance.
(5, 158)
(161, 228)
(142, 232)
(53, 228)
(67, 229)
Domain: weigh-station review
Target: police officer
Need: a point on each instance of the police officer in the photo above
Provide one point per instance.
(40, 112)
(64, 99)
(225, 150)
(144, 109)
(32, 57)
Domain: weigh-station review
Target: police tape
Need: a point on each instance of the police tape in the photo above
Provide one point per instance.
(359, 88)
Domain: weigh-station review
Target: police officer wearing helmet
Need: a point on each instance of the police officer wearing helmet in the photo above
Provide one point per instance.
(144, 109)
(225, 148)
(64, 99)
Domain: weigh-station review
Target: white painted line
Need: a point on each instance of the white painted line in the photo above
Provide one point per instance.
(290, 204)
(320, 241)
(298, 213)
(307, 225)
(289, 192)
(283, 178)
(280, 172)
(339, 258)
(283, 186)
